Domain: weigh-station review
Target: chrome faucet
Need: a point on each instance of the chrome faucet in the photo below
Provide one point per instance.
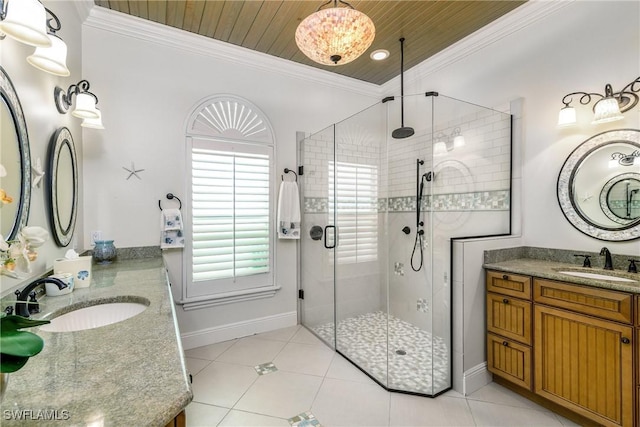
(608, 264)
(22, 308)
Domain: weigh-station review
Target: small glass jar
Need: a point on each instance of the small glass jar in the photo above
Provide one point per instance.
(104, 252)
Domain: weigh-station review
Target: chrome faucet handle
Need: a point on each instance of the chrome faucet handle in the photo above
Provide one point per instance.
(632, 266)
(587, 261)
(9, 310)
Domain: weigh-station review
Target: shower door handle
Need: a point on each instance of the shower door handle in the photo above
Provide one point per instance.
(334, 236)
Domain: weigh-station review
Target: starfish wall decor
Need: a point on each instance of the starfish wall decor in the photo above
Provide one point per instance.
(133, 171)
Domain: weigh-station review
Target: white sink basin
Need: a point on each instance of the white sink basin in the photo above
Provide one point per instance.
(94, 316)
(597, 276)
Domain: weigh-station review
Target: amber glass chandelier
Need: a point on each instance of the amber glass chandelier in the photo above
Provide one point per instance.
(335, 35)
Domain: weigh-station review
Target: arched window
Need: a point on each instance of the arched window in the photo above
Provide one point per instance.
(229, 254)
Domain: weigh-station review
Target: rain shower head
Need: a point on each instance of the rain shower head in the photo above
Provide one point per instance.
(403, 131)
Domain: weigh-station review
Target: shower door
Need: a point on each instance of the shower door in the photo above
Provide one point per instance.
(357, 182)
(317, 303)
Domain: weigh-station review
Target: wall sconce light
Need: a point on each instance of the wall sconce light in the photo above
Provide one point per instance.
(26, 21)
(52, 59)
(85, 103)
(608, 108)
(622, 159)
(447, 143)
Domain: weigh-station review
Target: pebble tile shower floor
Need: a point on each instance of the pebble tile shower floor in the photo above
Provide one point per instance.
(416, 360)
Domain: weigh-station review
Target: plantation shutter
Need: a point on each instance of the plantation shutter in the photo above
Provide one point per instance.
(356, 199)
(230, 211)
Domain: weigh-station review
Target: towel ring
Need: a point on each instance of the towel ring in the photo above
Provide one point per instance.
(287, 170)
(170, 196)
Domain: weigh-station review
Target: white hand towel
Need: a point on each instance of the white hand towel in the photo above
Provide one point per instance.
(288, 211)
(171, 235)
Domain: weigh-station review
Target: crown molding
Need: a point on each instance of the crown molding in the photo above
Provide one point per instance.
(131, 26)
(519, 18)
(83, 7)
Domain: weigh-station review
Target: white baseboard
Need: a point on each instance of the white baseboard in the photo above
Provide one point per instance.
(238, 330)
(476, 378)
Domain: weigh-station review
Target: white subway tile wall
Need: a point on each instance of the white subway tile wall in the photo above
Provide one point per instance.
(475, 176)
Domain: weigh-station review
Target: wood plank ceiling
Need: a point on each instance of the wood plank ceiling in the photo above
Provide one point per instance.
(269, 26)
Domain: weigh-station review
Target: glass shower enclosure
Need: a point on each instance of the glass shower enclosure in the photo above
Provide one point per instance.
(378, 218)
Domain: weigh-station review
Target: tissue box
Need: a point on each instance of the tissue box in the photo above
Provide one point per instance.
(80, 268)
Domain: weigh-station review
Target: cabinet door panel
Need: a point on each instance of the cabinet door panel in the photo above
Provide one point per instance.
(583, 364)
(509, 317)
(509, 359)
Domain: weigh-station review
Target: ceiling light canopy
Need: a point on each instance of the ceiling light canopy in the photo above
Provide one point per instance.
(335, 35)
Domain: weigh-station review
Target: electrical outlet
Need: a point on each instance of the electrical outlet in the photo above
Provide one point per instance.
(95, 235)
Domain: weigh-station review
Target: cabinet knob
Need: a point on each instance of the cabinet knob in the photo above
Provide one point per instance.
(625, 340)
(506, 301)
(505, 343)
(505, 277)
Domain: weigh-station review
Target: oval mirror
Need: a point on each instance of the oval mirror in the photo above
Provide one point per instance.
(619, 198)
(15, 158)
(596, 186)
(62, 186)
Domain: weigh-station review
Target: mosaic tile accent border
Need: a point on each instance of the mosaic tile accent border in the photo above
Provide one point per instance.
(304, 419)
(496, 200)
(265, 368)
(315, 205)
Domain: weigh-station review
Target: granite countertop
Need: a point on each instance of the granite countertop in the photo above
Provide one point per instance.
(130, 373)
(550, 270)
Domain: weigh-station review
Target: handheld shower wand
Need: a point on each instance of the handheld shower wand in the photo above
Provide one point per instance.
(427, 176)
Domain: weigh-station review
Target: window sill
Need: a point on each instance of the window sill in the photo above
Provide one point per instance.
(228, 297)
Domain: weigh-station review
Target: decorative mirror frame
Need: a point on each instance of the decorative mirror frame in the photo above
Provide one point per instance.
(8, 92)
(62, 234)
(565, 181)
(604, 195)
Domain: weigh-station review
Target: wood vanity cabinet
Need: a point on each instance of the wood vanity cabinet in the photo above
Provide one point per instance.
(509, 327)
(637, 359)
(581, 347)
(179, 421)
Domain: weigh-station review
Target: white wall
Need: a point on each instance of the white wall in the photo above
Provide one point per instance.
(580, 47)
(149, 79)
(35, 90)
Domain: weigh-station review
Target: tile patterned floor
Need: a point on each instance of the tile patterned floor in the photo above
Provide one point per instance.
(314, 386)
(422, 365)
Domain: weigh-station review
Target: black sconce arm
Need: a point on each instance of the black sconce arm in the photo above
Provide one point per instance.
(51, 27)
(585, 98)
(66, 99)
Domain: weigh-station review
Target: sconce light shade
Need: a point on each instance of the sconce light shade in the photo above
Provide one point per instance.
(567, 116)
(51, 59)
(458, 141)
(335, 35)
(607, 110)
(93, 123)
(25, 21)
(85, 107)
(439, 148)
